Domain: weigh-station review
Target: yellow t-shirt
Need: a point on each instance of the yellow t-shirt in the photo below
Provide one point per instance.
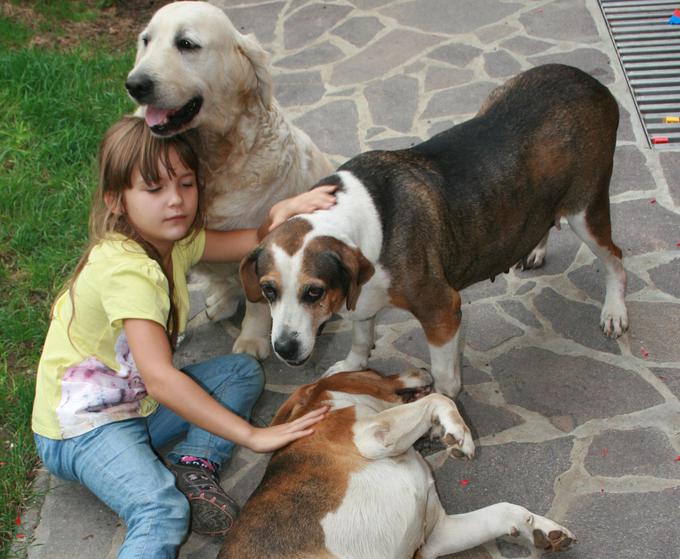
(86, 375)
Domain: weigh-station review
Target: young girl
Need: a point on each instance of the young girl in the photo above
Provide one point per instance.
(107, 394)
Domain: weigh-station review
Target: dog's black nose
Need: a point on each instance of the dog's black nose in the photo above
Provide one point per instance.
(287, 349)
(140, 88)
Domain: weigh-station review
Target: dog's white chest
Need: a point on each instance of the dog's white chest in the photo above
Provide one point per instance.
(383, 513)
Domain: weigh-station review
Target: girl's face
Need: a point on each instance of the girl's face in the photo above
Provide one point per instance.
(163, 212)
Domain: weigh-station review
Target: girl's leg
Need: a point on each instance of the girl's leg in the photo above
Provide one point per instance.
(234, 380)
(116, 462)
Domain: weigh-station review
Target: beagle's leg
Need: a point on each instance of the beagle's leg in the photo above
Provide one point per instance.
(443, 330)
(536, 257)
(363, 340)
(594, 229)
(392, 432)
(254, 336)
(458, 532)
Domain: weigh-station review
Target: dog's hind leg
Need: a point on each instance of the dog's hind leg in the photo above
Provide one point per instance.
(593, 226)
(458, 532)
(392, 432)
(536, 257)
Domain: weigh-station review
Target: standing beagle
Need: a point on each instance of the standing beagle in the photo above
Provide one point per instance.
(413, 227)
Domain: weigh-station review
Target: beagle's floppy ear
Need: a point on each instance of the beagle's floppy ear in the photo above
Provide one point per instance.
(296, 402)
(249, 277)
(259, 60)
(357, 270)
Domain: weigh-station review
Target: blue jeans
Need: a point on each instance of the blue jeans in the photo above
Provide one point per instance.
(118, 461)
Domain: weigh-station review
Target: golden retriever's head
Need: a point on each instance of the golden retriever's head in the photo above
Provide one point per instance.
(382, 391)
(305, 279)
(193, 68)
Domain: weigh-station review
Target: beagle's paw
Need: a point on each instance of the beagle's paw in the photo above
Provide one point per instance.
(453, 431)
(535, 259)
(614, 320)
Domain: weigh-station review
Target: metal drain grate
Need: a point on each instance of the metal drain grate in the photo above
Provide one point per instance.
(649, 51)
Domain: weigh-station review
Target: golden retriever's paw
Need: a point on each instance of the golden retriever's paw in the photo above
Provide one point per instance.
(257, 347)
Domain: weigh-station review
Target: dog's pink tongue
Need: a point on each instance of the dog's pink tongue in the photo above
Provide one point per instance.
(154, 115)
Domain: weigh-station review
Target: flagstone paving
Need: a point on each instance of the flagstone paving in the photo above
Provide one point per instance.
(568, 423)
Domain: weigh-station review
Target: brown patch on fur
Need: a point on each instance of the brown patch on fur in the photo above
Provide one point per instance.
(290, 235)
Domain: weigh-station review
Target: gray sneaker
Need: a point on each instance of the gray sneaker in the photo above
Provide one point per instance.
(213, 512)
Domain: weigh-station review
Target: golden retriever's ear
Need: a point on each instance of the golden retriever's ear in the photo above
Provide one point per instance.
(259, 60)
(249, 279)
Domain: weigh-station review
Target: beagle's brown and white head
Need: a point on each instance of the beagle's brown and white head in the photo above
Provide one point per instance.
(306, 278)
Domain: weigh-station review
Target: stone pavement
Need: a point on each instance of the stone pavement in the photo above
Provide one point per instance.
(570, 424)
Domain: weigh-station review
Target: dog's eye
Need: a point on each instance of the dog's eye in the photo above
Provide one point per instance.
(269, 292)
(312, 294)
(186, 44)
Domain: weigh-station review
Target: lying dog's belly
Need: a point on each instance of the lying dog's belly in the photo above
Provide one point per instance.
(382, 515)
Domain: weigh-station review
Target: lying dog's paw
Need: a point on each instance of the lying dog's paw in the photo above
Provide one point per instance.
(455, 434)
(257, 347)
(614, 321)
(550, 536)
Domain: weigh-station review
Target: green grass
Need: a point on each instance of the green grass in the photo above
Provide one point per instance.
(56, 107)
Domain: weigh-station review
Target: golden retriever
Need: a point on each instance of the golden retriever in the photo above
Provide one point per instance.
(194, 71)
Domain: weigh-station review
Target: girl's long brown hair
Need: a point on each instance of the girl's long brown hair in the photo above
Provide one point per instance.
(129, 145)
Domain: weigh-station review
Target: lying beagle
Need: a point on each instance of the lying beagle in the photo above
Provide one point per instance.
(413, 227)
(356, 488)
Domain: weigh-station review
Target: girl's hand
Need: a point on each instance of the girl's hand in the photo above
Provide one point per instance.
(319, 198)
(268, 439)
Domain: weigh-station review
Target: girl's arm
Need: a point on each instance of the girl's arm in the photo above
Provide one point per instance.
(178, 391)
(232, 246)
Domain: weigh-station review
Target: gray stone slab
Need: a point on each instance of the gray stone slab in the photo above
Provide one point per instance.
(525, 45)
(561, 19)
(400, 142)
(74, 523)
(458, 100)
(310, 22)
(521, 473)
(334, 127)
(259, 20)
(592, 61)
(630, 171)
(457, 54)
(670, 376)
(379, 57)
(484, 419)
(517, 310)
(441, 78)
(638, 452)
(642, 226)
(667, 277)
(298, 88)
(202, 343)
(617, 525)
(670, 164)
(501, 64)
(486, 328)
(592, 280)
(574, 320)
(449, 16)
(393, 102)
(625, 131)
(318, 55)
(647, 323)
(359, 30)
(484, 289)
(561, 385)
